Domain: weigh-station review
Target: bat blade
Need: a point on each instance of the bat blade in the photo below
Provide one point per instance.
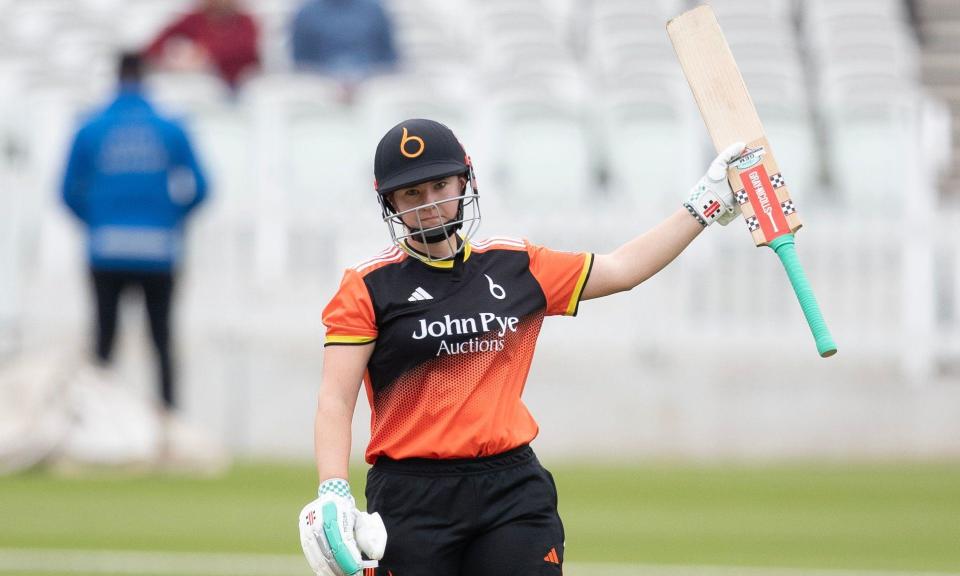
(730, 116)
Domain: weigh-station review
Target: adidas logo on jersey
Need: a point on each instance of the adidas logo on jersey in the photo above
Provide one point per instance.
(419, 294)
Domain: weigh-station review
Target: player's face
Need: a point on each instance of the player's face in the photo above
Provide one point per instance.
(431, 196)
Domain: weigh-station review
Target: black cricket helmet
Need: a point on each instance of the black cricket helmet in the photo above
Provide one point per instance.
(417, 151)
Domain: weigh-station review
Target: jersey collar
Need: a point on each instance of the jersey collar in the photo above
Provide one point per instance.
(443, 264)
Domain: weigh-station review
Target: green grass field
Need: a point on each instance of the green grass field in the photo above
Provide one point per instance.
(860, 517)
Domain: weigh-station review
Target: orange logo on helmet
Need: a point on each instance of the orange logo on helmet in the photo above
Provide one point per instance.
(403, 145)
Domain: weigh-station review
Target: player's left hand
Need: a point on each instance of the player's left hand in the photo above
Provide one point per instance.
(327, 532)
(711, 199)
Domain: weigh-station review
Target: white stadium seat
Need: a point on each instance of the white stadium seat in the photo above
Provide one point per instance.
(224, 140)
(184, 94)
(867, 140)
(730, 11)
(539, 148)
(386, 100)
(824, 10)
(629, 57)
(647, 143)
(663, 8)
(894, 50)
(84, 52)
(326, 163)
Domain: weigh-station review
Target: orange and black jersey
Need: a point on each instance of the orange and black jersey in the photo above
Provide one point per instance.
(452, 350)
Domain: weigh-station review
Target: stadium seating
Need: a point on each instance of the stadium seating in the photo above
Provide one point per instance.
(385, 100)
(575, 106)
(731, 11)
(539, 147)
(224, 141)
(186, 95)
(867, 75)
(649, 149)
(274, 18)
(143, 19)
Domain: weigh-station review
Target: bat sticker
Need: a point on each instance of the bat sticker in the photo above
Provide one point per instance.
(762, 197)
(750, 158)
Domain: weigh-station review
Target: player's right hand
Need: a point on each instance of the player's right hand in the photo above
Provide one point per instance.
(711, 199)
(327, 532)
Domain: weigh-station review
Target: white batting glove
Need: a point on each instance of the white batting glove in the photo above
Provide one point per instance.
(371, 534)
(327, 532)
(711, 199)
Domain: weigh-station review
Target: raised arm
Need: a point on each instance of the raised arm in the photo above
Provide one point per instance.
(626, 267)
(640, 258)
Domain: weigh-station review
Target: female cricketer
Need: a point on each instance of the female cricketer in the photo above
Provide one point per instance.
(441, 330)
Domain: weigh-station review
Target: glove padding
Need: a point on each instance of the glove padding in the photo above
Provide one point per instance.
(711, 199)
(371, 534)
(333, 533)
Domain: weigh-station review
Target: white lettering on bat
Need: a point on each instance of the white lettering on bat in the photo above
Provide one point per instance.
(764, 200)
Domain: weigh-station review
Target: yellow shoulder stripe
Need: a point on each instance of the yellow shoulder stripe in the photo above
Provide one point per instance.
(349, 340)
(578, 289)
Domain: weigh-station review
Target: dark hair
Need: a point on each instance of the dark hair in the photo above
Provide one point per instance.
(131, 67)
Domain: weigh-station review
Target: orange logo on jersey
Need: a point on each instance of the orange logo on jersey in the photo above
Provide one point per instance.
(407, 138)
(552, 557)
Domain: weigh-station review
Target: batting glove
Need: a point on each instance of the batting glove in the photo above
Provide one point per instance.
(712, 200)
(333, 533)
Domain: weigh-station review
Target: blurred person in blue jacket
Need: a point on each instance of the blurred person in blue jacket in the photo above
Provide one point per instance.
(346, 39)
(132, 179)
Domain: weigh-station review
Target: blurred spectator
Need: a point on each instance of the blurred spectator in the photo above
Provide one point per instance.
(132, 179)
(217, 35)
(347, 39)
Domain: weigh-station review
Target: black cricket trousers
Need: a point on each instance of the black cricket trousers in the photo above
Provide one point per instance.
(489, 516)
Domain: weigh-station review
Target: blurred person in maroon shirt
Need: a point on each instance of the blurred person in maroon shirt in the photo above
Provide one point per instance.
(216, 35)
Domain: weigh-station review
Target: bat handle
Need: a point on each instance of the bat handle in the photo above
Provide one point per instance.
(783, 246)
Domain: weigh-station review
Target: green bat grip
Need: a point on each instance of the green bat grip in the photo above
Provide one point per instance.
(783, 246)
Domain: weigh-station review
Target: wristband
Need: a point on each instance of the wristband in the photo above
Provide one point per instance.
(694, 214)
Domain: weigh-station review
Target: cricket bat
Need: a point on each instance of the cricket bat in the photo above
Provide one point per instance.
(730, 116)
